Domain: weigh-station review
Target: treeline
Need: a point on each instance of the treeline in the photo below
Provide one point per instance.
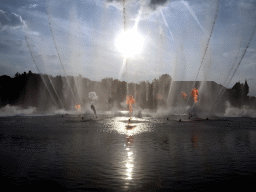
(45, 91)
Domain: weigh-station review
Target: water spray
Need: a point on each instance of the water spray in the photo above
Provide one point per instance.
(224, 84)
(166, 24)
(39, 70)
(214, 21)
(248, 44)
(93, 96)
(55, 44)
(126, 58)
(51, 80)
(193, 14)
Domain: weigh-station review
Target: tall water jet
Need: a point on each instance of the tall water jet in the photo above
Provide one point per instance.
(247, 46)
(207, 45)
(61, 63)
(28, 45)
(75, 48)
(44, 63)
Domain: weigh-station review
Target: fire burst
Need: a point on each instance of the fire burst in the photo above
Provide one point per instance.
(78, 107)
(159, 96)
(184, 95)
(194, 94)
(129, 101)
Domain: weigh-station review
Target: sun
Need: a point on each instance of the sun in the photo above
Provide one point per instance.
(129, 43)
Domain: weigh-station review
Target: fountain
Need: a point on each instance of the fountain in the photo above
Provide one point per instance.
(129, 131)
(173, 94)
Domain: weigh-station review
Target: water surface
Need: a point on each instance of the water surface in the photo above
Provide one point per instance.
(114, 154)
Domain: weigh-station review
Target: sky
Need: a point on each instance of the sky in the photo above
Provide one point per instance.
(212, 40)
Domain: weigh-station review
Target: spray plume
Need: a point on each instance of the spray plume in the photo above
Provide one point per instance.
(233, 63)
(39, 70)
(225, 85)
(94, 110)
(137, 22)
(124, 18)
(166, 24)
(193, 14)
(248, 44)
(215, 17)
(93, 96)
(55, 44)
(49, 76)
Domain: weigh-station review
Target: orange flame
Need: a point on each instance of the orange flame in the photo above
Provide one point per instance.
(129, 101)
(159, 96)
(184, 95)
(194, 94)
(78, 107)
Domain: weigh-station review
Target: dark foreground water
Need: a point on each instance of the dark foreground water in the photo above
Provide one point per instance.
(113, 154)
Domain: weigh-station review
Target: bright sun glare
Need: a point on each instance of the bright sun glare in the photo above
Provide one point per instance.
(129, 43)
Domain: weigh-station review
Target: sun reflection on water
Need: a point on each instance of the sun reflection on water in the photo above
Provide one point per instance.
(129, 126)
(129, 157)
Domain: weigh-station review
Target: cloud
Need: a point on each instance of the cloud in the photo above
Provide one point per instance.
(147, 7)
(154, 4)
(232, 54)
(31, 6)
(12, 20)
(247, 5)
(32, 33)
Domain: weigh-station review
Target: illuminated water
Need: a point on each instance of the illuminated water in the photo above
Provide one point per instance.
(110, 154)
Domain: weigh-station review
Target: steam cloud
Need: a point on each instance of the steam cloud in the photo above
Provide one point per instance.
(244, 111)
(93, 96)
(16, 110)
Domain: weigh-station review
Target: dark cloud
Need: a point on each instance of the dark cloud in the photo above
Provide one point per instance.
(10, 20)
(152, 3)
(155, 3)
(147, 6)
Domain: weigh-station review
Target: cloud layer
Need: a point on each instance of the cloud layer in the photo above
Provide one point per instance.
(10, 20)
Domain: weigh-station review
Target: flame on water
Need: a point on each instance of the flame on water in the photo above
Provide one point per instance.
(78, 107)
(184, 95)
(194, 94)
(129, 101)
(159, 96)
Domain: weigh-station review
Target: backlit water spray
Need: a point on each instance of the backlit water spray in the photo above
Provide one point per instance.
(28, 45)
(93, 97)
(166, 24)
(55, 44)
(50, 80)
(207, 45)
(248, 44)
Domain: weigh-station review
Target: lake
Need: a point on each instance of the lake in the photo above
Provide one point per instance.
(113, 153)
